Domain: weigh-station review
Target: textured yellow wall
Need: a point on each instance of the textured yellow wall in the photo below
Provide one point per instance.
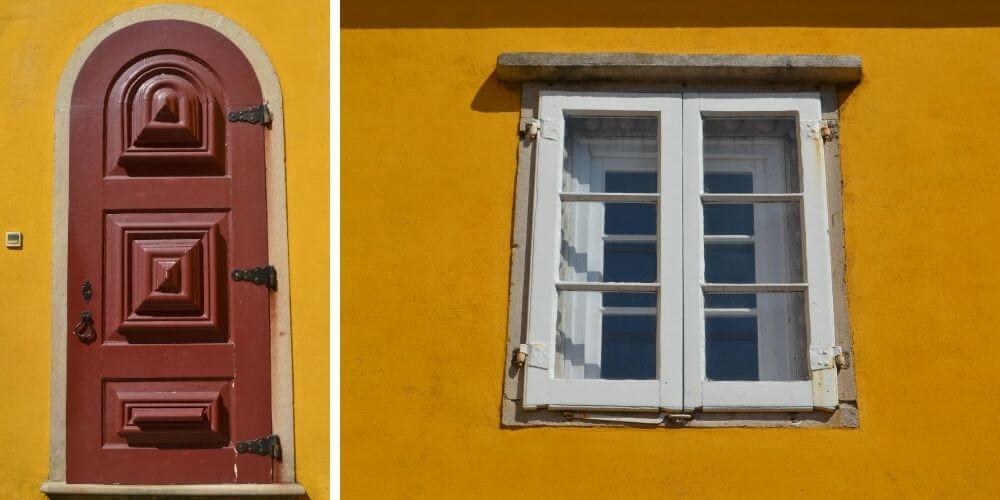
(428, 166)
(36, 39)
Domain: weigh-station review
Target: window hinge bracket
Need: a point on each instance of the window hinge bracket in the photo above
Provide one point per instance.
(828, 129)
(529, 128)
(535, 354)
(827, 357)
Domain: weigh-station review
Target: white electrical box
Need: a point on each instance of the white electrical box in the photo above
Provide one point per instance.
(12, 239)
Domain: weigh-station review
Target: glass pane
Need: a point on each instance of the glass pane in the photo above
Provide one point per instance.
(608, 242)
(630, 182)
(606, 335)
(753, 243)
(630, 262)
(751, 155)
(760, 336)
(610, 155)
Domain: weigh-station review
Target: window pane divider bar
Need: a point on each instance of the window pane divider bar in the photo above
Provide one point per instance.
(731, 311)
(750, 198)
(606, 287)
(753, 287)
(630, 311)
(612, 197)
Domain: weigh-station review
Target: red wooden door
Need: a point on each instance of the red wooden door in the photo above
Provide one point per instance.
(167, 197)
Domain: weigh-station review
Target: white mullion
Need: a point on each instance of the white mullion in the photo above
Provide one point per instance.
(670, 253)
(693, 319)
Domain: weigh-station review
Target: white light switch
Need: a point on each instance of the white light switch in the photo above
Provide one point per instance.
(12, 239)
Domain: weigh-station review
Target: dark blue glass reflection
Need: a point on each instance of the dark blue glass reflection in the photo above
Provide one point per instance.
(630, 218)
(630, 182)
(729, 219)
(730, 300)
(728, 183)
(628, 347)
(630, 262)
(627, 299)
(729, 263)
(731, 348)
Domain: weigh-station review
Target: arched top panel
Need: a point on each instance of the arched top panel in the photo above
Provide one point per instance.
(164, 110)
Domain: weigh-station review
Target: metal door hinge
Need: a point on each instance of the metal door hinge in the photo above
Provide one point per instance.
(265, 446)
(265, 275)
(257, 114)
(826, 357)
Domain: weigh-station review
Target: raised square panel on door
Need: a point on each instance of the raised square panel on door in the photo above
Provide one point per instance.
(167, 272)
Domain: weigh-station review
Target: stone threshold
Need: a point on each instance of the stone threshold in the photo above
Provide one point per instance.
(56, 489)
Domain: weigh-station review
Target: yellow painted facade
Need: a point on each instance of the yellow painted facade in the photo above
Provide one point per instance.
(37, 37)
(428, 166)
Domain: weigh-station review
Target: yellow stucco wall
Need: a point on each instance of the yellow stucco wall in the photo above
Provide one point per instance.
(428, 164)
(36, 39)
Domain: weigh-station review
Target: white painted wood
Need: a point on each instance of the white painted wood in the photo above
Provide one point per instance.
(818, 266)
(681, 339)
(750, 198)
(670, 261)
(629, 311)
(596, 393)
(754, 287)
(541, 386)
(757, 396)
(610, 197)
(694, 265)
(606, 287)
(820, 392)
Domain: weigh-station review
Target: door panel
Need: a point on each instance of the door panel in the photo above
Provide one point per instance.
(166, 198)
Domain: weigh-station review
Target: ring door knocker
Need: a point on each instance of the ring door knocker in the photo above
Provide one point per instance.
(84, 330)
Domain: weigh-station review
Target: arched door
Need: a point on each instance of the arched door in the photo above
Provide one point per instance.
(168, 355)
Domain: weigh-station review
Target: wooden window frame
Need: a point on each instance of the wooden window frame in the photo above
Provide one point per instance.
(680, 170)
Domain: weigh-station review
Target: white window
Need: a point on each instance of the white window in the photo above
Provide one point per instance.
(680, 255)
